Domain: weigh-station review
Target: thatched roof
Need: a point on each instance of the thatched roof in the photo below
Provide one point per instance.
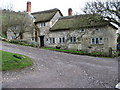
(45, 15)
(79, 21)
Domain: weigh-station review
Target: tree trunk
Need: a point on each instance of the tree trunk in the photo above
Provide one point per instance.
(21, 35)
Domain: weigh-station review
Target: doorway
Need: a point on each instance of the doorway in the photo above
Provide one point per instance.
(41, 41)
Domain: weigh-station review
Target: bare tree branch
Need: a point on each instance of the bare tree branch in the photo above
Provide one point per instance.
(109, 10)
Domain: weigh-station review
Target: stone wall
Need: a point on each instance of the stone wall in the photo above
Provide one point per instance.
(27, 36)
(10, 35)
(83, 39)
(44, 31)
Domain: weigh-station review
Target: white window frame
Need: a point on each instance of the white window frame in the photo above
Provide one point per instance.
(100, 40)
(13, 37)
(42, 24)
(73, 39)
(32, 38)
(61, 39)
(52, 40)
(82, 30)
(97, 29)
(50, 24)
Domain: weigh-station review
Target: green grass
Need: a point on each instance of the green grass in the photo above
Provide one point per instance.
(12, 61)
(24, 43)
(95, 54)
(68, 51)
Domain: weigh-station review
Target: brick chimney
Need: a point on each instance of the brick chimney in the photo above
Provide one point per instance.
(28, 7)
(70, 12)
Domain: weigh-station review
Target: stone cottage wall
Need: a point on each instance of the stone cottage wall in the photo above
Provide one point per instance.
(44, 31)
(83, 39)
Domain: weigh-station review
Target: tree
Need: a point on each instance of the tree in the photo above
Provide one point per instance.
(21, 24)
(7, 12)
(5, 18)
(0, 22)
(17, 22)
(110, 10)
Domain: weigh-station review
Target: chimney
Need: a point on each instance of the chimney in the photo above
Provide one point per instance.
(70, 12)
(28, 7)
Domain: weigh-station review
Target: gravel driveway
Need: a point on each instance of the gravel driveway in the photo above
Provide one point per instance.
(53, 69)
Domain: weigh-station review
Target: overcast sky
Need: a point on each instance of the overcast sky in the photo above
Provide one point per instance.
(41, 5)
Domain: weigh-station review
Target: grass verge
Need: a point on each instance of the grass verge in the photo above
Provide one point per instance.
(12, 61)
(24, 43)
(68, 51)
(95, 54)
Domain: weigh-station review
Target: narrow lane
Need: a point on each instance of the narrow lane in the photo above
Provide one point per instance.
(53, 69)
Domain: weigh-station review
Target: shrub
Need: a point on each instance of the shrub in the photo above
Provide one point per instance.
(94, 53)
(33, 43)
(25, 43)
(14, 41)
(4, 36)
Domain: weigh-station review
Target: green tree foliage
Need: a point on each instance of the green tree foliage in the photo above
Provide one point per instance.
(16, 22)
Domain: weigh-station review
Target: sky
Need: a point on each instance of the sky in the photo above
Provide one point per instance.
(41, 5)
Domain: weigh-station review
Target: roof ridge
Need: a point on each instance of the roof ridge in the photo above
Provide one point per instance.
(75, 16)
(79, 21)
(46, 11)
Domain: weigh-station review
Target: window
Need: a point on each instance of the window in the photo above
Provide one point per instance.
(72, 39)
(13, 37)
(32, 38)
(97, 41)
(42, 24)
(82, 30)
(52, 40)
(98, 30)
(50, 24)
(101, 41)
(46, 39)
(61, 40)
(93, 41)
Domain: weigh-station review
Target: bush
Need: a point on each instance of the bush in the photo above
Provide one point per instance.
(58, 47)
(99, 54)
(94, 53)
(33, 43)
(4, 36)
(14, 41)
(25, 43)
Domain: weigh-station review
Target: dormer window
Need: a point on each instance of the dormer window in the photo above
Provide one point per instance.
(42, 24)
(82, 30)
(97, 29)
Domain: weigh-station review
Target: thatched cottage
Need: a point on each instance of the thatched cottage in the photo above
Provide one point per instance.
(83, 32)
(80, 32)
(44, 20)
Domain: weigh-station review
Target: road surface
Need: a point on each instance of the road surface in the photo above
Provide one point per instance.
(53, 69)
